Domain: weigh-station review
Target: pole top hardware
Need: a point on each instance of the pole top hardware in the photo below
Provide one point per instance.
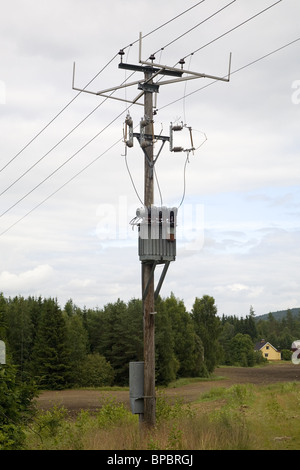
(153, 69)
(150, 87)
(149, 68)
(121, 53)
(190, 75)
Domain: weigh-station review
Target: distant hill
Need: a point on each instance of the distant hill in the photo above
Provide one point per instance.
(279, 314)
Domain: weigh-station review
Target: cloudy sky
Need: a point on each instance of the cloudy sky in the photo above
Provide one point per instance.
(69, 187)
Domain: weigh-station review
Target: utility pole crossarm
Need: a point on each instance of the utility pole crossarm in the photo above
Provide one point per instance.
(189, 72)
(168, 70)
(103, 94)
(161, 69)
(151, 70)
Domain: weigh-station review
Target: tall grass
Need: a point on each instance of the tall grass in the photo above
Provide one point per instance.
(242, 417)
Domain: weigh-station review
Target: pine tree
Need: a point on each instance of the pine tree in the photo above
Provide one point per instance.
(187, 347)
(19, 333)
(121, 339)
(77, 343)
(208, 328)
(50, 353)
(3, 326)
(166, 363)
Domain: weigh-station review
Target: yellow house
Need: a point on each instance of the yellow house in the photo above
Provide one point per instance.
(268, 351)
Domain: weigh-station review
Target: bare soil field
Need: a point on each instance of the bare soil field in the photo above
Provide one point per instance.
(76, 400)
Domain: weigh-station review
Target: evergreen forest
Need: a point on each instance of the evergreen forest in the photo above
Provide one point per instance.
(60, 348)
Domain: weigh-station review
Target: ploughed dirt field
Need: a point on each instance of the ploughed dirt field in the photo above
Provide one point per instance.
(76, 400)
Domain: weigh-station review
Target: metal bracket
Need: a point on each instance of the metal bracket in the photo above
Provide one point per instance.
(160, 282)
(150, 138)
(152, 88)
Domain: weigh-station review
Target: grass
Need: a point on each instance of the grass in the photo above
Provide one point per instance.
(188, 380)
(242, 417)
(106, 388)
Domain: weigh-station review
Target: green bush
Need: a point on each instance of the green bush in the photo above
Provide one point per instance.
(51, 421)
(113, 413)
(242, 351)
(286, 354)
(95, 371)
(166, 410)
(16, 408)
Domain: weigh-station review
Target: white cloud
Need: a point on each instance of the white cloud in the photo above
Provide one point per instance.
(246, 176)
(27, 281)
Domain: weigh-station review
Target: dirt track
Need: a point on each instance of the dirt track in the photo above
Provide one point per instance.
(76, 400)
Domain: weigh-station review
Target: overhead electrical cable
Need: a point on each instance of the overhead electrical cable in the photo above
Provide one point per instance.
(192, 53)
(49, 151)
(63, 164)
(266, 55)
(184, 181)
(233, 29)
(58, 189)
(57, 115)
(131, 179)
(58, 143)
(224, 34)
(195, 91)
(97, 158)
(129, 172)
(194, 27)
(98, 73)
(235, 71)
(165, 24)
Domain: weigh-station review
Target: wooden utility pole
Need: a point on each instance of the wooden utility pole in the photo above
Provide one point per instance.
(148, 273)
(149, 261)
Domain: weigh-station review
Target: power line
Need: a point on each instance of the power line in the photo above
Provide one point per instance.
(227, 32)
(232, 29)
(49, 151)
(70, 102)
(97, 158)
(61, 187)
(194, 27)
(57, 115)
(166, 23)
(235, 71)
(131, 179)
(58, 143)
(62, 165)
(267, 55)
(184, 180)
(178, 37)
(179, 99)
(98, 73)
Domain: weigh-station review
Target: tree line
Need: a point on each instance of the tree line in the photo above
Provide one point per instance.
(79, 347)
